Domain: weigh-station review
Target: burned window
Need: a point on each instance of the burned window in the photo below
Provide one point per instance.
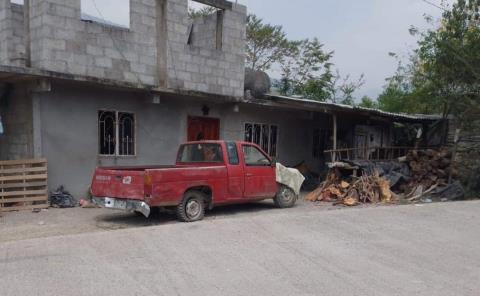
(264, 135)
(116, 133)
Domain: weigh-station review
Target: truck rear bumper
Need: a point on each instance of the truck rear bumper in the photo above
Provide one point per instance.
(123, 204)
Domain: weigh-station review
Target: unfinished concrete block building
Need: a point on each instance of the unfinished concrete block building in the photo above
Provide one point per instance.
(84, 93)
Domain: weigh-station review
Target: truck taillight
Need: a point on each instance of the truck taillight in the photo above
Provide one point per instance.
(147, 179)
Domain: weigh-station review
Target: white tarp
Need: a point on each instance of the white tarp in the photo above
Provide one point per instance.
(290, 177)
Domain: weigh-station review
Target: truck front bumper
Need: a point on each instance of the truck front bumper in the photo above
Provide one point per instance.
(123, 204)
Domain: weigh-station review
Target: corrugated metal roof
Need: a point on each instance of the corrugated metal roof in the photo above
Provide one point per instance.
(347, 108)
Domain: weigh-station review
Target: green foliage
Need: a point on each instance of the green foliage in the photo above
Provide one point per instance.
(305, 65)
(202, 12)
(443, 77)
(266, 44)
(368, 102)
(306, 70)
(443, 74)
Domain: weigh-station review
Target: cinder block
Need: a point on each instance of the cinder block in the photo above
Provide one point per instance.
(103, 62)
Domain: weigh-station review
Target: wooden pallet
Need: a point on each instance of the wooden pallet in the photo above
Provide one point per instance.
(23, 184)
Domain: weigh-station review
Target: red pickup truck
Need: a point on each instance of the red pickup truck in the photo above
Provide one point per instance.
(206, 174)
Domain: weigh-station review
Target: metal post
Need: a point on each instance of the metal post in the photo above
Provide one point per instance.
(334, 135)
(454, 155)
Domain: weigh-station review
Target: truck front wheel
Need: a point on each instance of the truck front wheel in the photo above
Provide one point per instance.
(192, 207)
(285, 198)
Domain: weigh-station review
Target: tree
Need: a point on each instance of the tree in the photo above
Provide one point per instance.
(202, 12)
(306, 70)
(343, 89)
(305, 66)
(266, 44)
(368, 102)
(443, 77)
(443, 74)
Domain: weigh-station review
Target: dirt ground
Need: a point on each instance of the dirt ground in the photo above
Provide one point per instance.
(54, 222)
(312, 249)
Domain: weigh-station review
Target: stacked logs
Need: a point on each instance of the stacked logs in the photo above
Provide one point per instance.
(429, 167)
(364, 189)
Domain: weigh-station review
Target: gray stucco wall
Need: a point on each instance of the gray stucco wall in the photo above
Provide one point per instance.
(69, 130)
(16, 112)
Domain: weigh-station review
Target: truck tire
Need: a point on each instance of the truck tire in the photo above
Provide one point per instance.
(285, 198)
(192, 207)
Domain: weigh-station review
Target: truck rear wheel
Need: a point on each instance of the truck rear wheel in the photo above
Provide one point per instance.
(285, 198)
(192, 207)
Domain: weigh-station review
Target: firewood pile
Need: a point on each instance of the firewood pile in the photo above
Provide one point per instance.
(363, 189)
(427, 180)
(428, 168)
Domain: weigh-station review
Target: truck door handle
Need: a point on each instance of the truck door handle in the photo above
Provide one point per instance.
(249, 175)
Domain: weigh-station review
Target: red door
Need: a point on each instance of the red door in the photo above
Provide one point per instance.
(203, 128)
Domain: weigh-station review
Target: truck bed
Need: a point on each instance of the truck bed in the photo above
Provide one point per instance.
(164, 183)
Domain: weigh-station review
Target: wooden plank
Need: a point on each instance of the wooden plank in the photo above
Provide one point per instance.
(26, 192)
(22, 185)
(20, 177)
(23, 170)
(23, 208)
(24, 161)
(24, 199)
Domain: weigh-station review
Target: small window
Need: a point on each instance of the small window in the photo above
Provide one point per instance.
(254, 157)
(197, 153)
(264, 135)
(232, 153)
(116, 133)
(100, 11)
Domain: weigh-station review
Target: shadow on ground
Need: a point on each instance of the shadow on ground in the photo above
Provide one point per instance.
(113, 221)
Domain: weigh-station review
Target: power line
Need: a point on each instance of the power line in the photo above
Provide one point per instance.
(434, 5)
(114, 41)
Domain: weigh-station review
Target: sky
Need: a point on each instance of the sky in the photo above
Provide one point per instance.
(360, 32)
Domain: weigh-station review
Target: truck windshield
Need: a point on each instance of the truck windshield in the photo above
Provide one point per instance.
(200, 153)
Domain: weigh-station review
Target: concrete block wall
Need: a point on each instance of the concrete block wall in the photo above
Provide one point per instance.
(5, 32)
(18, 36)
(16, 112)
(202, 68)
(204, 31)
(62, 42)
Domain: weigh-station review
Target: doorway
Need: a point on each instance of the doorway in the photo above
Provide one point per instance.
(203, 128)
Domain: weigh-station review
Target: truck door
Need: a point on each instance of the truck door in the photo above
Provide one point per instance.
(236, 182)
(259, 174)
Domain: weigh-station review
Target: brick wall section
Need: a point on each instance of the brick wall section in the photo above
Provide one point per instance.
(18, 34)
(5, 31)
(204, 32)
(204, 68)
(17, 140)
(62, 42)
